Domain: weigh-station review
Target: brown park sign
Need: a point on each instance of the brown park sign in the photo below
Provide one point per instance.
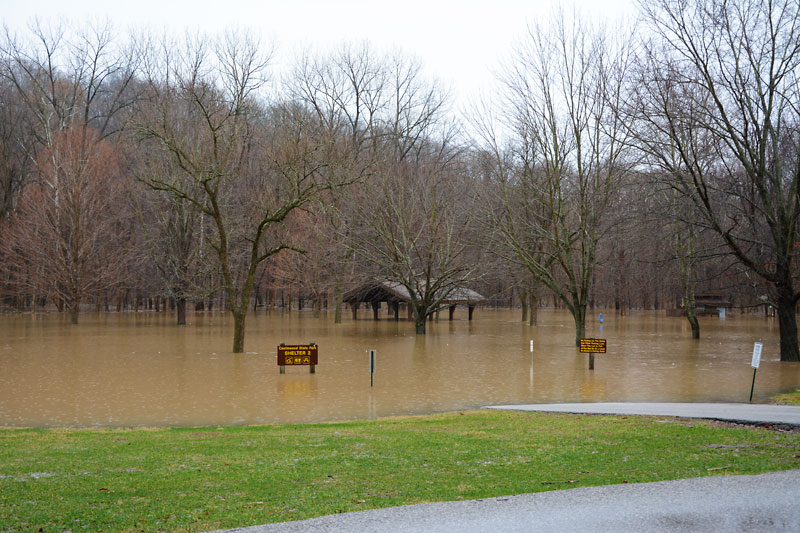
(592, 345)
(297, 354)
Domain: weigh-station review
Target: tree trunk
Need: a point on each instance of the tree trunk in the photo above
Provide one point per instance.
(690, 310)
(534, 304)
(75, 306)
(787, 322)
(523, 299)
(685, 251)
(419, 321)
(691, 316)
(238, 331)
(181, 311)
(337, 317)
(689, 304)
(580, 323)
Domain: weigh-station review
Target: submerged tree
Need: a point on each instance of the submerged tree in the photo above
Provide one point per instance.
(347, 91)
(173, 231)
(245, 163)
(723, 78)
(68, 238)
(415, 220)
(564, 159)
(75, 87)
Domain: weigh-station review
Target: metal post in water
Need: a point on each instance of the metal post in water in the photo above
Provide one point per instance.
(531, 373)
(591, 361)
(371, 366)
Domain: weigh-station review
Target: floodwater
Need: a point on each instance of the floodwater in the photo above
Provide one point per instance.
(139, 369)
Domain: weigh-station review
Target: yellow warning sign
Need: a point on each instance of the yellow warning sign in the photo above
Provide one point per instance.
(592, 345)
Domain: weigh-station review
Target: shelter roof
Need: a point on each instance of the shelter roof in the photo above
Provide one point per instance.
(391, 291)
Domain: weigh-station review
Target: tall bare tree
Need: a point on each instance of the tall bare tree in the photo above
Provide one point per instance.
(415, 220)
(76, 85)
(173, 231)
(246, 163)
(68, 238)
(564, 157)
(721, 90)
(15, 137)
(347, 90)
(384, 108)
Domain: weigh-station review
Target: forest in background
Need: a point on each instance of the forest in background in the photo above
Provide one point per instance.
(614, 170)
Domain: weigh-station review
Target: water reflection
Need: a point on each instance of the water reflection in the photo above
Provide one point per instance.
(140, 369)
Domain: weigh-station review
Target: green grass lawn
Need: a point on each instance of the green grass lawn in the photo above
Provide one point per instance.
(790, 398)
(207, 478)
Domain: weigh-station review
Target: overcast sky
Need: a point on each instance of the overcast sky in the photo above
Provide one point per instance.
(461, 42)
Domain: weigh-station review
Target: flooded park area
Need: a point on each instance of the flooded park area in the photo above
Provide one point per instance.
(140, 369)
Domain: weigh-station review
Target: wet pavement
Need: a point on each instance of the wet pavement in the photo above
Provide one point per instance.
(764, 502)
(731, 412)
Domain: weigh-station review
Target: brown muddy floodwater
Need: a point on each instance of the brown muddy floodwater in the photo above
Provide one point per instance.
(142, 370)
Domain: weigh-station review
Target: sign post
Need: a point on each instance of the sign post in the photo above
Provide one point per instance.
(754, 363)
(298, 354)
(592, 346)
(371, 366)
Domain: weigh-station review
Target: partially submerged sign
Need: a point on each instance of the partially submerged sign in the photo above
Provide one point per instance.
(297, 354)
(592, 345)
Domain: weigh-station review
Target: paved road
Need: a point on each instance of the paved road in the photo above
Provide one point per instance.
(766, 502)
(733, 412)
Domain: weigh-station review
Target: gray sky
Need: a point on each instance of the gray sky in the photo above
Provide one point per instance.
(461, 42)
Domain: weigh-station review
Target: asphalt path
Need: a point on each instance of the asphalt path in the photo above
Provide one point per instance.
(765, 502)
(731, 412)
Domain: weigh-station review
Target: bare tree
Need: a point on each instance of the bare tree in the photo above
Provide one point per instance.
(74, 86)
(384, 109)
(68, 236)
(15, 136)
(347, 91)
(415, 222)
(246, 164)
(173, 231)
(564, 159)
(723, 80)
(68, 78)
